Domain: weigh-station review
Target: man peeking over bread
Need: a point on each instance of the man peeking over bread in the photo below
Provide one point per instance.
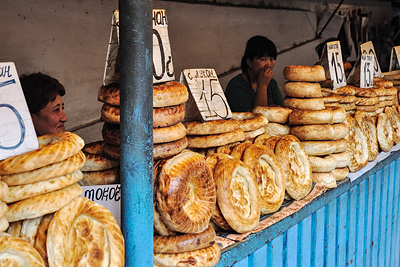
(43, 96)
(255, 85)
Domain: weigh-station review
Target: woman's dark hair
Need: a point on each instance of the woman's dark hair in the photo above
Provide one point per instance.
(40, 89)
(258, 47)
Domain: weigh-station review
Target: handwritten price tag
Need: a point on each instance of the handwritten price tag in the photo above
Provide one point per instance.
(335, 66)
(367, 71)
(163, 69)
(207, 94)
(368, 49)
(17, 134)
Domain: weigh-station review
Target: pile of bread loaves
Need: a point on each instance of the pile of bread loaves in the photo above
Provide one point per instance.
(44, 206)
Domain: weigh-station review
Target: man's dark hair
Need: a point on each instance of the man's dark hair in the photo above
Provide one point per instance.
(257, 47)
(40, 89)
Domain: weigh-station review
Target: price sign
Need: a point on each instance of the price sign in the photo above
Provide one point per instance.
(335, 64)
(367, 71)
(17, 134)
(207, 93)
(395, 58)
(368, 49)
(163, 69)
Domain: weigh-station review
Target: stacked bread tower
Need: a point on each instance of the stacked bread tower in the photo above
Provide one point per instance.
(320, 129)
(169, 134)
(184, 197)
(345, 95)
(98, 169)
(3, 206)
(45, 206)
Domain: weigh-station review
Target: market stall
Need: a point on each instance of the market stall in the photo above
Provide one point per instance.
(333, 222)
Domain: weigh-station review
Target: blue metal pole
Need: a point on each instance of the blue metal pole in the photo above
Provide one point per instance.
(136, 91)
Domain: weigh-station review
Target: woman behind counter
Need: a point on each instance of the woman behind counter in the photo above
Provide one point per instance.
(255, 85)
(43, 96)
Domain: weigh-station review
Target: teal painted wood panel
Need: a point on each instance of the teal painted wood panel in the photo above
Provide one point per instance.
(358, 227)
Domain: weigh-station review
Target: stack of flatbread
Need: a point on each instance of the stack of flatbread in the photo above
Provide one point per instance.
(98, 169)
(344, 97)
(3, 206)
(322, 132)
(169, 135)
(46, 188)
(95, 229)
(205, 136)
(277, 119)
(184, 197)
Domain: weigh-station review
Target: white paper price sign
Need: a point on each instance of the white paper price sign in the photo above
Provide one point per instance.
(335, 66)
(108, 196)
(367, 71)
(395, 58)
(163, 69)
(17, 134)
(368, 49)
(207, 93)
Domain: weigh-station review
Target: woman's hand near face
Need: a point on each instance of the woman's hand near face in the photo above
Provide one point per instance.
(264, 77)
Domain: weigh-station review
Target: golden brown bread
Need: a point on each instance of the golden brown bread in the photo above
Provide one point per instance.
(52, 148)
(215, 140)
(186, 193)
(325, 178)
(320, 148)
(269, 176)
(20, 192)
(340, 173)
(103, 177)
(250, 135)
(237, 151)
(345, 90)
(237, 194)
(211, 127)
(322, 163)
(169, 94)
(109, 94)
(338, 114)
(302, 73)
(249, 121)
(43, 204)
(368, 126)
(304, 103)
(169, 134)
(273, 114)
(394, 118)
(18, 251)
(226, 149)
(366, 101)
(301, 117)
(112, 151)
(384, 132)
(320, 132)
(166, 150)
(270, 142)
(365, 92)
(41, 236)
(47, 172)
(205, 257)
(356, 145)
(296, 166)
(277, 129)
(184, 242)
(96, 240)
(110, 114)
(168, 116)
(95, 159)
(302, 89)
